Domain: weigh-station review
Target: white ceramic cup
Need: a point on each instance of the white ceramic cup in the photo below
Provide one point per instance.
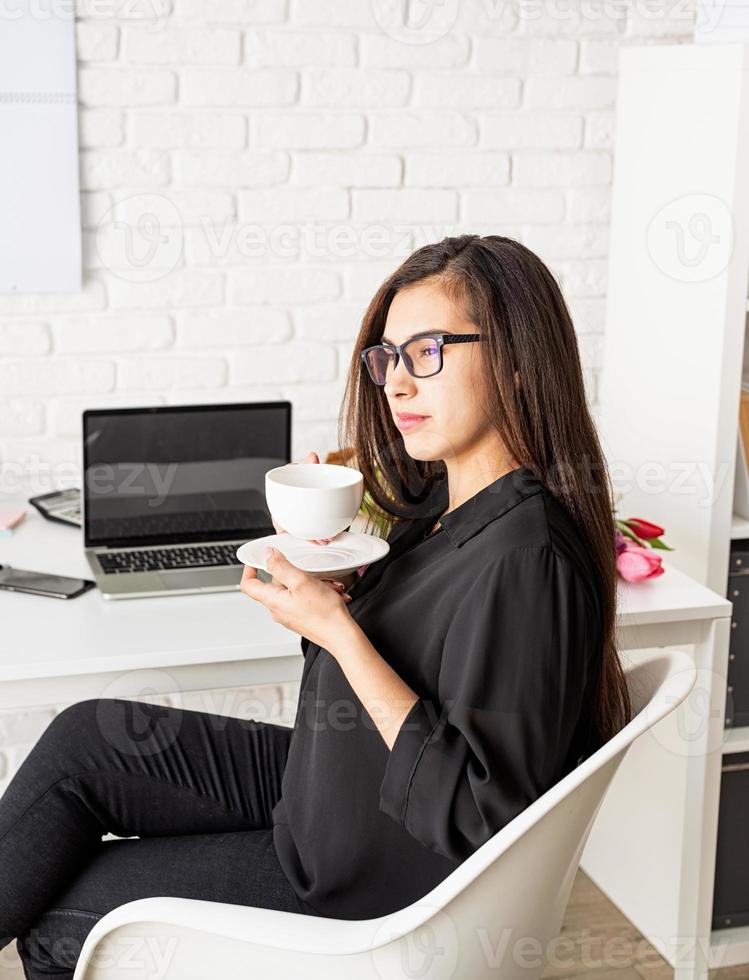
(314, 500)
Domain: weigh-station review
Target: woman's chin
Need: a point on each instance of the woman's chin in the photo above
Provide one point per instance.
(422, 453)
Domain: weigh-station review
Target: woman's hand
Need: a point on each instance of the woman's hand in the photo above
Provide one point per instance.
(296, 600)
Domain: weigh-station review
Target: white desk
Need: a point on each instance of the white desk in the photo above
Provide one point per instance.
(652, 849)
(55, 650)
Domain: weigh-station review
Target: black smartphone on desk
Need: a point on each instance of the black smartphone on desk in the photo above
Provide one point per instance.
(42, 583)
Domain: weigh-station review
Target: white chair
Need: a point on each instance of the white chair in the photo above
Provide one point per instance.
(496, 916)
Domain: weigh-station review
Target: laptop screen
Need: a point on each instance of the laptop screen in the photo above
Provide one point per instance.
(181, 473)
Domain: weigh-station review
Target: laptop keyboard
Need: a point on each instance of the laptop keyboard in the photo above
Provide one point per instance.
(163, 559)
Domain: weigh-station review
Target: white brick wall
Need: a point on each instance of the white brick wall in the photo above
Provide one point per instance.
(295, 152)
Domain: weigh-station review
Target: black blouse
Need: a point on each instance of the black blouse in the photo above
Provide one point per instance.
(494, 622)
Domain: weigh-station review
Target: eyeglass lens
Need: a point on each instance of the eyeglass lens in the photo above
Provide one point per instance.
(422, 356)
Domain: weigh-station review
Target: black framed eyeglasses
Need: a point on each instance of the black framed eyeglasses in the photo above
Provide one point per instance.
(422, 355)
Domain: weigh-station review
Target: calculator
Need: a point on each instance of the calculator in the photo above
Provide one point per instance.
(63, 506)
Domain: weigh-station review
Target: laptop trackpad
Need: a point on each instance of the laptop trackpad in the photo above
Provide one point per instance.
(193, 578)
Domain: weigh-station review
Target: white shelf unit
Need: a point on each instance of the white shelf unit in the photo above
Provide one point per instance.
(739, 527)
(677, 304)
(737, 740)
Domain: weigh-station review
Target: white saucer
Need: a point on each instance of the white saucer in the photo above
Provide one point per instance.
(343, 554)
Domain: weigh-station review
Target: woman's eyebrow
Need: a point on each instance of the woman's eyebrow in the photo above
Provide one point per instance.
(422, 333)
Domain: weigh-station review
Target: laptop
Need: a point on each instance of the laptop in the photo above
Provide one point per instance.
(169, 493)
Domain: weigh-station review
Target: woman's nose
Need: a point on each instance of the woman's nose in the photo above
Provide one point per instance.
(398, 378)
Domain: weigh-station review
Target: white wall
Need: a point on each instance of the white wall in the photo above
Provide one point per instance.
(302, 119)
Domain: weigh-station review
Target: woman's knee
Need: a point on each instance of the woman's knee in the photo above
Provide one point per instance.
(82, 735)
(122, 726)
(77, 722)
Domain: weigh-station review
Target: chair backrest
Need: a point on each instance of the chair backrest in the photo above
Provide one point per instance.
(503, 907)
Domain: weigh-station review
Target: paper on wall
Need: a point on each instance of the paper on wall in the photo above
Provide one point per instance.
(40, 235)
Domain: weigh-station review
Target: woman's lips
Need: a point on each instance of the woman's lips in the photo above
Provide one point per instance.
(409, 421)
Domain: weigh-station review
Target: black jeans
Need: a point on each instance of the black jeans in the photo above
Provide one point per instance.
(194, 789)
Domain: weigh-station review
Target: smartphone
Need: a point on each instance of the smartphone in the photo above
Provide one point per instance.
(41, 583)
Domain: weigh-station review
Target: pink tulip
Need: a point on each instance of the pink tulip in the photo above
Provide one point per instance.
(635, 564)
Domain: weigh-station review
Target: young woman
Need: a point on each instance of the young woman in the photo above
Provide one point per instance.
(462, 676)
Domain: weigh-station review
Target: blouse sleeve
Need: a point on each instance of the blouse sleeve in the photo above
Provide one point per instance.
(511, 685)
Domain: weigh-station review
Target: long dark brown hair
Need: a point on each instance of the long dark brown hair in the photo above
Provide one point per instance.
(514, 300)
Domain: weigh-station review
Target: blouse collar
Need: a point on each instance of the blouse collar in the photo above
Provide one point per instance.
(487, 505)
